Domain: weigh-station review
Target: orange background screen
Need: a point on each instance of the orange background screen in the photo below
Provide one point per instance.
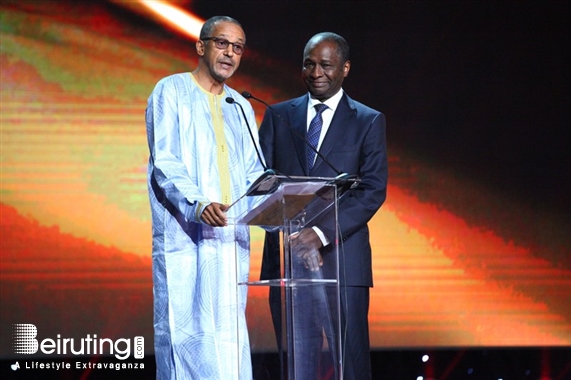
(457, 262)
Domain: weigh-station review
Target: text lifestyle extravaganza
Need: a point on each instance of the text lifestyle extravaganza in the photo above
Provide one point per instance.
(83, 365)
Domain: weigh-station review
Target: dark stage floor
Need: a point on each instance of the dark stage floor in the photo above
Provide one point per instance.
(552, 363)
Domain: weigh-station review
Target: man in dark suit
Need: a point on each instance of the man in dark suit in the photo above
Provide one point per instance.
(352, 138)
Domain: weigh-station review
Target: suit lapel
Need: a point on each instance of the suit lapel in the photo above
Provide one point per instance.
(298, 117)
(342, 119)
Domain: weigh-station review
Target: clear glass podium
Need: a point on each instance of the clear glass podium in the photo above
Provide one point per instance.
(303, 297)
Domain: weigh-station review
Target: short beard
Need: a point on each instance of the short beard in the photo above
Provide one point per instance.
(219, 78)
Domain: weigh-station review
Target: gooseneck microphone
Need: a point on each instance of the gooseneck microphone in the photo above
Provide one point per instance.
(340, 174)
(255, 187)
(231, 100)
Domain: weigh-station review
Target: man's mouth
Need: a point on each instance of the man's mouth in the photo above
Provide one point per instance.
(226, 64)
(319, 84)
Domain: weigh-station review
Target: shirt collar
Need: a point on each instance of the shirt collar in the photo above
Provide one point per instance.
(332, 102)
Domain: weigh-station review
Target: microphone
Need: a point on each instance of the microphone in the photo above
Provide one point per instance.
(231, 100)
(256, 188)
(341, 176)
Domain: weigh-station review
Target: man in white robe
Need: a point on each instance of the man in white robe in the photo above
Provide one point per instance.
(202, 159)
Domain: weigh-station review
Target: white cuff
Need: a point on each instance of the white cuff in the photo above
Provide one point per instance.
(322, 237)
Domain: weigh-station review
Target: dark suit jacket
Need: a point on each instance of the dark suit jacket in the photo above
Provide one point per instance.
(355, 144)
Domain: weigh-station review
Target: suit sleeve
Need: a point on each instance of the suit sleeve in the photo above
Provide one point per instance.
(358, 206)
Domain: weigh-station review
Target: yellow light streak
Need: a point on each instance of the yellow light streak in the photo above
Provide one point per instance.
(175, 17)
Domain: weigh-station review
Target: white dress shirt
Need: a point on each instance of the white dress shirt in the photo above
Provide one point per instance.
(327, 116)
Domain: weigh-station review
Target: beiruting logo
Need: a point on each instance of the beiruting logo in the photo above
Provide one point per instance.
(25, 342)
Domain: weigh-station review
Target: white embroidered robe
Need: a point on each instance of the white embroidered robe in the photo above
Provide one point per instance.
(200, 152)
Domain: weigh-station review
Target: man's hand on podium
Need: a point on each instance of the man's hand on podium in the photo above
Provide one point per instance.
(215, 215)
(306, 244)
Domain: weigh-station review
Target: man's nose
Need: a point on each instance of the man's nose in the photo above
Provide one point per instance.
(229, 51)
(317, 71)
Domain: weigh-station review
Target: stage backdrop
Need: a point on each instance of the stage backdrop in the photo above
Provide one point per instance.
(457, 262)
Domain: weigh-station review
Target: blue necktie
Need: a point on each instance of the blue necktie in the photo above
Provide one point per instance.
(313, 133)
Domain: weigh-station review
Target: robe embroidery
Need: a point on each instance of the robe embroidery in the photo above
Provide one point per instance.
(199, 310)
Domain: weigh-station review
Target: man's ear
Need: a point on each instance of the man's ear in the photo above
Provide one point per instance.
(200, 47)
(346, 68)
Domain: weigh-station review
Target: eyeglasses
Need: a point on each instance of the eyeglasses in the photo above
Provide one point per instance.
(222, 44)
